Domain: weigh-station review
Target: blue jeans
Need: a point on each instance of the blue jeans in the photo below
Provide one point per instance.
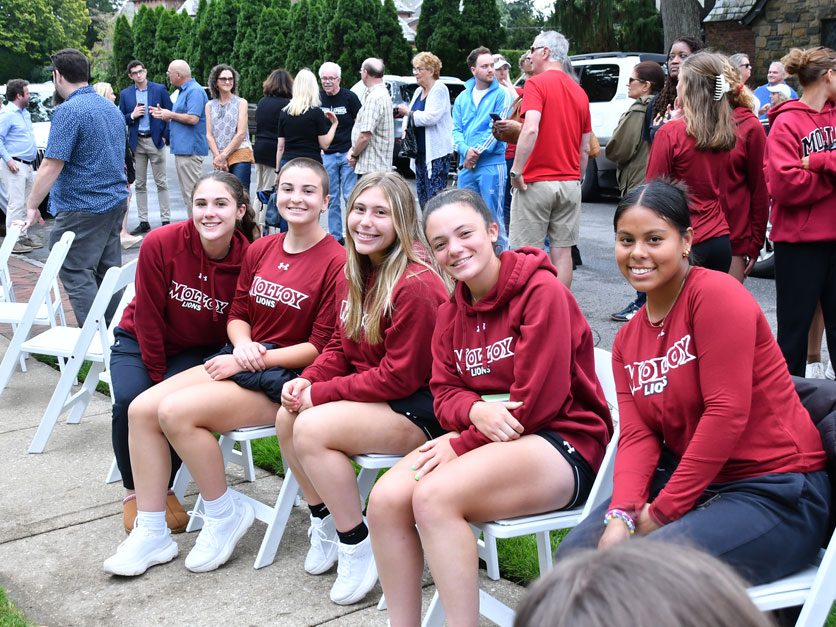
(242, 171)
(342, 178)
(489, 182)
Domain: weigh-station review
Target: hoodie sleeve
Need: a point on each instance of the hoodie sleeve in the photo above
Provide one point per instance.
(660, 162)
(759, 203)
(150, 301)
(458, 129)
(241, 302)
(789, 184)
(406, 361)
(326, 317)
(824, 161)
(501, 105)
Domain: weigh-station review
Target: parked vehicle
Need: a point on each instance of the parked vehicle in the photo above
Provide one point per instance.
(603, 76)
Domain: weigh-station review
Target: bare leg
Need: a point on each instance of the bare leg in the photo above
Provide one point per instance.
(738, 265)
(562, 260)
(814, 337)
(497, 480)
(396, 544)
(150, 456)
(325, 436)
(189, 419)
(284, 432)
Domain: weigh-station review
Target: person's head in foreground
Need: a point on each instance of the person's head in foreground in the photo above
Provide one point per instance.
(640, 583)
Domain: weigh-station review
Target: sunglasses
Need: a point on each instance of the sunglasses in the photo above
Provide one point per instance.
(749, 65)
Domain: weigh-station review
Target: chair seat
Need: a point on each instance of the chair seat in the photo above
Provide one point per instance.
(524, 525)
(787, 592)
(12, 313)
(376, 460)
(60, 341)
(245, 434)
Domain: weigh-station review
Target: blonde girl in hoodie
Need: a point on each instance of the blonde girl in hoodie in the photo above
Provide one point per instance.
(512, 329)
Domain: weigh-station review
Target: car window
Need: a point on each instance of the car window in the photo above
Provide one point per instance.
(40, 106)
(600, 82)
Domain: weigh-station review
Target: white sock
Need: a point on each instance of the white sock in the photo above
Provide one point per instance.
(152, 521)
(221, 507)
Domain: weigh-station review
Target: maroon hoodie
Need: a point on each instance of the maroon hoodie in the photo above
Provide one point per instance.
(803, 201)
(182, 297)
(527, 336)
(744, 198)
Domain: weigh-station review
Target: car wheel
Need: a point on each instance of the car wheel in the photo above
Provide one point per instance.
(589, 185)
(765, 265)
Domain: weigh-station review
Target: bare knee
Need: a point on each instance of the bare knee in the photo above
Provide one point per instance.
(173, 417)
(308, 436)
(142, 413)
(284, 425)
(390, 500)
(431, 501)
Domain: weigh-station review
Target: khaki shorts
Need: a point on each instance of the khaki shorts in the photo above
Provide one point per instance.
(550, 208)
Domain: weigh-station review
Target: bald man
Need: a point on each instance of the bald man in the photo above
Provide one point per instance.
(373, 135)
(187, 119)
(776, 76)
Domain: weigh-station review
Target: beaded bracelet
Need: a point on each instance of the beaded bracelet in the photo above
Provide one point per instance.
(622, 516)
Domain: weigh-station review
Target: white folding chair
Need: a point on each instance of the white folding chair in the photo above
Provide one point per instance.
(7, 293)
(276, 517)
(90, 342)
(542, 524)
(43, 308)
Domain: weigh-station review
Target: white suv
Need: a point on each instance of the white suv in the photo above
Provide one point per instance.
(603, 76)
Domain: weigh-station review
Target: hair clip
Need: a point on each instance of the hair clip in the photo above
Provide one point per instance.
(721, 86)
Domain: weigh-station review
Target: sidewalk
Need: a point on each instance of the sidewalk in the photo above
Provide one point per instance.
(59, 520)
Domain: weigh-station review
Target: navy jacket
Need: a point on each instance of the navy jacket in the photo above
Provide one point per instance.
(157, 95)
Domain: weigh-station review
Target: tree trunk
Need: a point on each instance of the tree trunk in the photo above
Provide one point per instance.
(680, 18)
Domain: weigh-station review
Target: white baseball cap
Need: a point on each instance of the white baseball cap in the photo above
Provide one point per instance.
(782, 89)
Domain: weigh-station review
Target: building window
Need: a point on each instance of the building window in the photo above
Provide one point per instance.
(828, 34)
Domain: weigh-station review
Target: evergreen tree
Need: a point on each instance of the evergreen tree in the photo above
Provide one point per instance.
(350, 37)
(244, 50)
(123, 53)
(303, 43)
(480, 26)
(168, 36)
(145, 36)
(587, 24)
(184, 27)
(202, 57)
(444, 39)
(270, 46)
(392, 46)
(191, 47)
(426, 23)
(640, 26)
(224, 24)
(522, 21)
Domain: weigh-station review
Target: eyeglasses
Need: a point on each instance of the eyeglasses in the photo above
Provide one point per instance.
(137, 72)
(749, 65)
(534, 49)
(329, 79)
(225, 79)
(418, 70)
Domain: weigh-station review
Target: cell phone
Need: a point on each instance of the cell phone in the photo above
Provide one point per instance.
(495, 117)
(493, 398)
(707, 498)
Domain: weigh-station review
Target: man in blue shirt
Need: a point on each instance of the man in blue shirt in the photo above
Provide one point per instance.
(18, 152)
(481, 157)
(148, 137)
(775, 76)
(187, 127)
(84, 173)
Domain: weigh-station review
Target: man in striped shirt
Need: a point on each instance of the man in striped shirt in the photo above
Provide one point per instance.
(373, 135)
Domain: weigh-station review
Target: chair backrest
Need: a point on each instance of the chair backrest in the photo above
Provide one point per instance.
(115, 280)
(603, 370)
(7, 293)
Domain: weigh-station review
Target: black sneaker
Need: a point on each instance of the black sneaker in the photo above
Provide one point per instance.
(626, 314)
(165, 223)
(143, 227)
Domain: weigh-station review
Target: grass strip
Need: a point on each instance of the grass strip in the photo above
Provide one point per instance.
(10, 616)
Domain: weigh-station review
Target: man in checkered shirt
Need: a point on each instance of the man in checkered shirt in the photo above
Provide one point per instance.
(373, 135)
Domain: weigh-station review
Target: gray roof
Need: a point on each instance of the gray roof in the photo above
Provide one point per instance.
(730, 10)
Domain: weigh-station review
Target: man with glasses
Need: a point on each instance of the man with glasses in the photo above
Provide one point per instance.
(481, 156)
(552, 153)
(373, 135)
(187, 128)
(345, 104)
(84, 173)
(148, 137)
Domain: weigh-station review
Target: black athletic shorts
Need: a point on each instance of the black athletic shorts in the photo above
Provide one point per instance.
(418, 409)
(270, 381)
(584, 475)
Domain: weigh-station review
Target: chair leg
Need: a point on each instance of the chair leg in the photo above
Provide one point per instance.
(113, 474)
(56, 405)
(544, 552)
(488, 553)
(365, 481)
(243, 458)
(435, 613)
(181, 482)
(495, 610)
(82, 398)
(288, 494)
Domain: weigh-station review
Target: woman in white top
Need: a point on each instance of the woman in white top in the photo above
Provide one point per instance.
(226, 125)
(430, 110)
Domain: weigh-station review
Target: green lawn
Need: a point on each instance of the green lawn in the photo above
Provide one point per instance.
(10, 616)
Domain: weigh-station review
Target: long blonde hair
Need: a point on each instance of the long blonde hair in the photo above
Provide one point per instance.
(707, 120)
(305, 93)
(739, 95)
(366, 308)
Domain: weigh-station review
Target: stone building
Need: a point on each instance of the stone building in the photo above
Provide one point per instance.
(767, 29)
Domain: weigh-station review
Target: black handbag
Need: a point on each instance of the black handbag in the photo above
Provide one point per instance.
(271, 214)
(409, 142)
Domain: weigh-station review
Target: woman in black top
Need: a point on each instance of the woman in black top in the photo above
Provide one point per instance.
(277, 92)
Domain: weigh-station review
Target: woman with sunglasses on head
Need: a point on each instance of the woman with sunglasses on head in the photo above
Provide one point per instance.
(227, 130)
(716, 450)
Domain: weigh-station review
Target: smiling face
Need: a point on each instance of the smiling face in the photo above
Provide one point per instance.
(214, 215)
(301, 196)
(463, 246)
(226, 81)
(775, 75)
(679, 52)
(370, 224)
(649, 251)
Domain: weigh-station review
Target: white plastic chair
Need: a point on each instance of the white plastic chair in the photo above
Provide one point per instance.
(90, 342)
(7, 293)
(542, 524)
(43, 308)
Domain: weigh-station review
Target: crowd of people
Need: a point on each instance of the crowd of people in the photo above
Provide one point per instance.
(394, 330)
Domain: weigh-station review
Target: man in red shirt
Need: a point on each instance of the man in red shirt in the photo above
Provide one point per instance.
(546, 174)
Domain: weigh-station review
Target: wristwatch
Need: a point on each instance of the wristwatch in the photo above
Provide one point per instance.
(514, 175)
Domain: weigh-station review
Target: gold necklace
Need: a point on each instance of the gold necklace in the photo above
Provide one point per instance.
(661, 323)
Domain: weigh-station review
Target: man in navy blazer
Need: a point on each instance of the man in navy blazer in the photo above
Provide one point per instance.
(148, 137)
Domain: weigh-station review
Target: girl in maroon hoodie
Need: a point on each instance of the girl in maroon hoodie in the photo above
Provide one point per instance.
(801, 176)
(178, 318)
(694, 148)
(716, 450)
(368, 392)
(512, 328)
(744, 197)
(281, 318)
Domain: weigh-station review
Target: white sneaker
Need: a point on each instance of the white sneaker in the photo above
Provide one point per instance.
(814, 370)
(141, 550)
(356, 573)
(323, 552)
(829, 373)
(218, 538)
